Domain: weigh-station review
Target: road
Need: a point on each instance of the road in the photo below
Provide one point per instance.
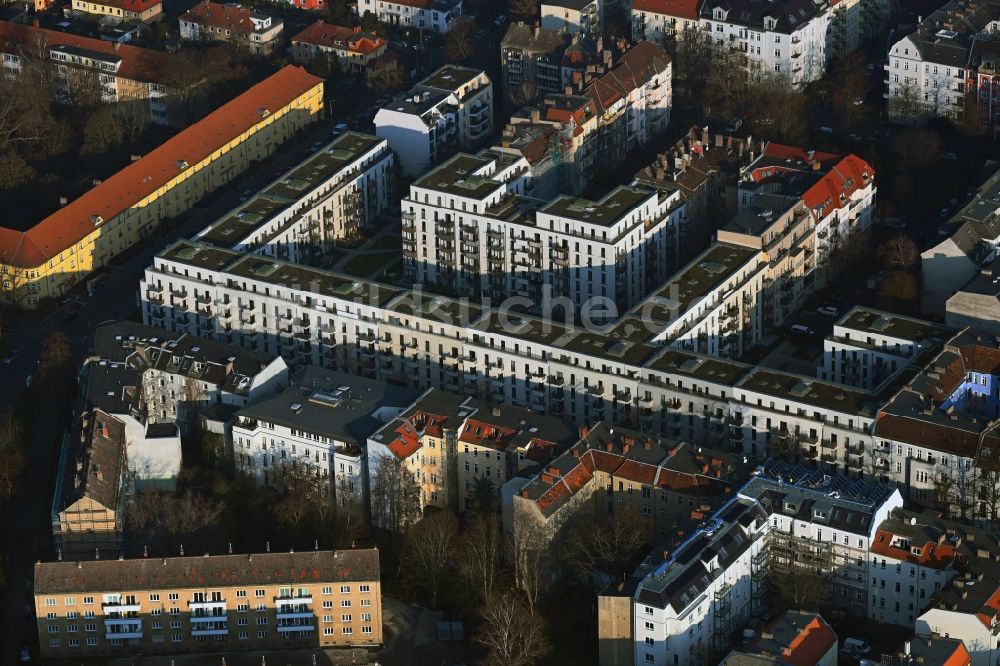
(29, 528)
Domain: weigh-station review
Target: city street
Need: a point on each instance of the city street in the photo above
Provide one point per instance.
(115, 298)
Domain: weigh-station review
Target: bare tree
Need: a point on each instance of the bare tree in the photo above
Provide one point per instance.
(512, 633)
(429, 545)
(597, 545)
(395, 495)
(988, 496)
(850, 83)
(166, 520)
(524, 10)
(305, 496)
(458, 42)
(481, 561)
(530, 557)
(194, 396)
(56, 354)
(899, 253)
(916, 147)
(906, 105)
(12, 454)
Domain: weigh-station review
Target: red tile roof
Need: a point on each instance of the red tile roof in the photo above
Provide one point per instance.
(73, 222)
(137, 6)
(486, 434)
(332, 35)
(634, 69)
(993, 606)
(932, 554)
(849, 175)
(680, 8)
(137, 64)
(811, 644)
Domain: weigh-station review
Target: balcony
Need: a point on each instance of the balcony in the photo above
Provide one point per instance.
(292, 601)
(123, 635)
(119, 607)
(290, 628)
(207, 604)
(210, 631)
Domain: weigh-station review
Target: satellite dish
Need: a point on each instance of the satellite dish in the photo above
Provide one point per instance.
(913, 520)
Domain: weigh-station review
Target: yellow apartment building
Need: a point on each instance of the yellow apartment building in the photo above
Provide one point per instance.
(82, 236)
(143, 11)
(211, 603)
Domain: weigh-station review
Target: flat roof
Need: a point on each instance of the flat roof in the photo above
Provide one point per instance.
(626, 342)
(450, 77)
(699, 366)
(605, 212)
(894, 325)
(456, 177)
(701, 276)
(808, 390)
(522, 326)
(199, 254)
(443, 309)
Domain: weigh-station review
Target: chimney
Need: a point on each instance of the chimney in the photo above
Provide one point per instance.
(815, 165)
(496, 411)
(35, 23)
(554, 471)
(607, 58)
(115, 46)
(568, 90)
(63, 201)
(536, 115)
(647, 444)
(538, 29)
(584, 431)
(357, 30)
(524, 492)
(547, 479)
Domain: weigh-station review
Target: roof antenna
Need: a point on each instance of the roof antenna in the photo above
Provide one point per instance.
(182, 550)
(97, 553)
(230, 547)
(268, 546)
(316, 545)
(59, 554)
(145, 552)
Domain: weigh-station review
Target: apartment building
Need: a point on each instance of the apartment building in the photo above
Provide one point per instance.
(437, 15)
(335, 195)
(668, 486)
(971, 247)
(352, 49)
(536, 60)
(663, 21)
(794, 637)
(455, 445)
(176, 605)
(871, 347)
(124, 11)
(449, 110)
(469, 226)
(787, 39)
(581, 17)
(208, 21)
(929, 69)
(917, 556)
(320, 423)
(688, 608)
(88, 508)
(61, 250)
(126, 73)
(838, 192)
(855, 22)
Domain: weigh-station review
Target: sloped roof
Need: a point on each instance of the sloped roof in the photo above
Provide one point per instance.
(685, 9)
(222, 16)
(73, 222)
(634, 68)
(331, 35)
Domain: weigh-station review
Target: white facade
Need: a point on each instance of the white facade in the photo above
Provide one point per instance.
(437, 15)
(463, 228)
(583, 17)
(924, 87)
(980, 639)
(449, 110)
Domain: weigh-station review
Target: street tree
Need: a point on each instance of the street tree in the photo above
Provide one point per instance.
(899, 253)
(56, 354)
(529, 553)
(12, 454)
(511, 633)
(481, 560)
(458, 42)
(594, 543)
(523, 10)
(395, 495)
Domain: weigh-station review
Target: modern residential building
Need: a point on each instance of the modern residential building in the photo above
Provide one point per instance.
(320, 423)
(794, 637)
(449, 110)
(209, 21)
(352, 49)
(454, 445)
(120, 11)
(663, 21)
(668, 487)
(172, 605)
(787, 38)
(61, 250)
(977, 302)
(783, 521)
(869, 348)
(333, 196)
(929, 70)
(436, 15)
(935, 649)
(972, 245)
(582, 17)
(127, 73)
(88, 508)
(536, 60)
(469, 226)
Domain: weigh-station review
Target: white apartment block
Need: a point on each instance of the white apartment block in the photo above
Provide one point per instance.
(929, 68)
(868, 348)
(449, 110)
(469, 227)
(320, 423)
(690, 604)
(436, 15)
(334, 195)
(784, 38)
(583, 17)
(662, 21)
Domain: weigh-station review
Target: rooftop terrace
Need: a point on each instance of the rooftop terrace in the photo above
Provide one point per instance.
(611, 208)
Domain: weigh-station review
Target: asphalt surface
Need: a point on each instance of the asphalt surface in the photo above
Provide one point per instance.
(116, 298)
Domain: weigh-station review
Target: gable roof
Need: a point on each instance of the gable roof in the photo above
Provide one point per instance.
(331, 35)
(75, 221)
(686, 9)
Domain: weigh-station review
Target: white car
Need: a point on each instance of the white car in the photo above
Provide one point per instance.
(828, 310)
(339, 128)
(854, 648)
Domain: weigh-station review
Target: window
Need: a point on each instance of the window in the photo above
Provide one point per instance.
(364, 588)
(91, 642)
(50, 602)
(348, 631)
(259, 593)
(345, 589)
(328, 631)
(241, 594)
(345, 618)
(345, 603)
(87, 601)
(366, 602)
(90, 628)
(261, 634)
(649, 658)
(70, 601)
(327, 590)
(154, 597)
(366, 630)
(262, 621)
(327, 604)
(174, 596)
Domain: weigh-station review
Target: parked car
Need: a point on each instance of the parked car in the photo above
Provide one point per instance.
(482, 33)
(950, 156)
(25, 655)
(894, 223)
(500, 20)
(11, 357)
(339, 128)
(802, 329)
(245, 195)
(854, 648)
(828, 310)
(825, 130)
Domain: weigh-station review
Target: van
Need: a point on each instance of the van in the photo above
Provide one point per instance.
(802, 329)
